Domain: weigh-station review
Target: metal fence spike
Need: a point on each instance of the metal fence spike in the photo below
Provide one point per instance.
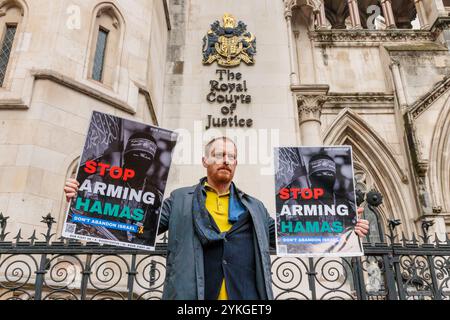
(391, 238)
(404, 240)
(33, 237)
(3, 223)
(425, 239)
(437, 241)
(18, 237)
(51, 236)
(3, 236)
(414, 239)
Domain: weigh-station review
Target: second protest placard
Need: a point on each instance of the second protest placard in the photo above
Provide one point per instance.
(315, 202)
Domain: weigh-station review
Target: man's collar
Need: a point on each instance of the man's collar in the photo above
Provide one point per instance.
(208, 186)
(240, 192)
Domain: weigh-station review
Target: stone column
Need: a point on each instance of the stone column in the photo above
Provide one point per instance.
(388, 14)
(396, 76)
(310, 100)
(292, 55)
(354, 14)
(421, 14)
(319, 14)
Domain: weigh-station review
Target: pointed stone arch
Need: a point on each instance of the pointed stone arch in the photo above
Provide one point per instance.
(5, 5)
(112, 10)
(439, 168)
(368, 148)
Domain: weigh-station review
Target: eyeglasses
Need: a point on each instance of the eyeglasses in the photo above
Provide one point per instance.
(220, 157)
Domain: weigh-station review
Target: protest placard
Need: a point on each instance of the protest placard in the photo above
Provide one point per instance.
(316, 210)
(122, 174)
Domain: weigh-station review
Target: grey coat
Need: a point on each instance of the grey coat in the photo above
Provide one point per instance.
(184, 266)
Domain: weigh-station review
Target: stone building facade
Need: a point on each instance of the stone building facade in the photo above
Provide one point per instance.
(369, 73)
(50, 90)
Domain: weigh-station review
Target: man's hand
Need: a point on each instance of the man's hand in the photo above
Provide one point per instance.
(362, 226)
(71, 189)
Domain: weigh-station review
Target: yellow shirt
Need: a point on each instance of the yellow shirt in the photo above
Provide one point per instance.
(217, 206)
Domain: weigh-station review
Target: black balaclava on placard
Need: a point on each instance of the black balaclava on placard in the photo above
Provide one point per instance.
(322, 172)
(139, 152)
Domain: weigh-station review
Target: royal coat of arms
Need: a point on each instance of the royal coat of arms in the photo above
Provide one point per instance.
(230, 44)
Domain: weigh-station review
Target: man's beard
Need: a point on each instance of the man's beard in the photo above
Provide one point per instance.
(221, 177)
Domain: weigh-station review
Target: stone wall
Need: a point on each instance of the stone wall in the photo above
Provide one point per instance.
(42, 134)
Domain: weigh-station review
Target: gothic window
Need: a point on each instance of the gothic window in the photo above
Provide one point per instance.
(5, 52)
(99, 58)
(107, 34)
(10, 17)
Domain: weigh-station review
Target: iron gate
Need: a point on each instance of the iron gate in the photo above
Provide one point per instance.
(42, 269)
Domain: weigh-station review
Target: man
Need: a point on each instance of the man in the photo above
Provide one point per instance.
(219, 236)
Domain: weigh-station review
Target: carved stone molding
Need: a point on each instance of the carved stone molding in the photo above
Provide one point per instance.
(357, 98)
(422, 168)
(374, 36)
(441, 24)
(310, 107)
(427, 100)
(13, 104)
(110, 11)
(310, 101)
(6, 5)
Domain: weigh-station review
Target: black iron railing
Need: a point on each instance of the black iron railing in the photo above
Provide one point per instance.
(42, 269)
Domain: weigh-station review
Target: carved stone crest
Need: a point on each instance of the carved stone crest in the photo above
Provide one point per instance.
(229, 44)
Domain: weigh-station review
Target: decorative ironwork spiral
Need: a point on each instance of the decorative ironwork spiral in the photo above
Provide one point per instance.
(59, 273)
(333, 272)
(442, 271)
(415, 273)
(286, 271)
(152, 272)
(108, 273)
(423, 274)
(442, 267)
(16, 271)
